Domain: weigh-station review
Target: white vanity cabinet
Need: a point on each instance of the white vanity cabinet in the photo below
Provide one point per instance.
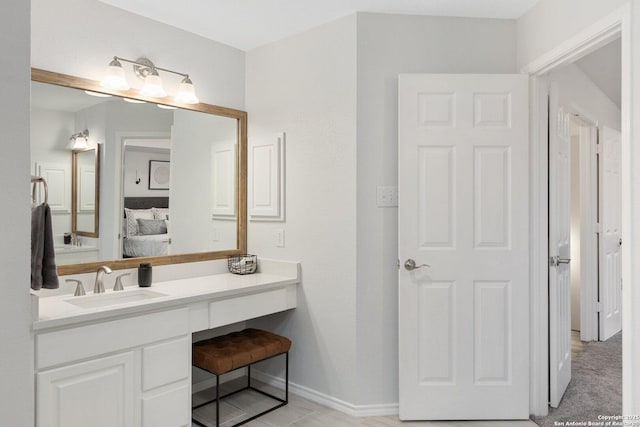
(129, 364)
(127, 372)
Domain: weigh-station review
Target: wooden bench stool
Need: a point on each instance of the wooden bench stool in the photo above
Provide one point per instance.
(236, 350)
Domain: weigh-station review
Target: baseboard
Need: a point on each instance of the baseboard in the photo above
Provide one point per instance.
(326, 400)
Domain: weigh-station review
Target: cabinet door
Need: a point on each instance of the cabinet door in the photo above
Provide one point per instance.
(96, 393)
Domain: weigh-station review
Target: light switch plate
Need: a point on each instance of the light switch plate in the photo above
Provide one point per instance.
(279, 238)
(387, 196)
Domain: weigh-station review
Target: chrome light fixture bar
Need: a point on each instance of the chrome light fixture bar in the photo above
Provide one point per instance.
(114, 78)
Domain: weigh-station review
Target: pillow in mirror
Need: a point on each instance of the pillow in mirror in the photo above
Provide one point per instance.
(133, 215)
(151, 226)
(160, 213)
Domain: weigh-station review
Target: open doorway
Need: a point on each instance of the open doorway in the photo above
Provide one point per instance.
(585, 237)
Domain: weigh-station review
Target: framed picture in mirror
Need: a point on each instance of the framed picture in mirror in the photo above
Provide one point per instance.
(159, 174)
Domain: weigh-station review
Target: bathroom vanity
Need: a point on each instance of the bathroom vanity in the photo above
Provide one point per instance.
(124, 358)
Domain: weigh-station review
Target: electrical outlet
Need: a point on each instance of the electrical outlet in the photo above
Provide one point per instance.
(387, 196)
(279, 238)
(216, 235)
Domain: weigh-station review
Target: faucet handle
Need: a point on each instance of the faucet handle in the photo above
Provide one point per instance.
(118, 286)
(79, 288)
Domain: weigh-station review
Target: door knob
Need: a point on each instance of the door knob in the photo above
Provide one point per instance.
(555, 261)
(410, 265)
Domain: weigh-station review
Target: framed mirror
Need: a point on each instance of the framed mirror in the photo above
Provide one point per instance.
(169, 183)
(85, 192)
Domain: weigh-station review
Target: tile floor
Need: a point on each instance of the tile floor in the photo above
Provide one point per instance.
(302, 412)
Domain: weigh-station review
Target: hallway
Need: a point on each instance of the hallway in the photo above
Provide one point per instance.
(596, 383)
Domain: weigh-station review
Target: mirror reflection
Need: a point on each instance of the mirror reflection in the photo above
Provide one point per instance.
(154, 181)
(85, 192)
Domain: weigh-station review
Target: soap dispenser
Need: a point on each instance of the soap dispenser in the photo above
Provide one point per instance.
(144, 275)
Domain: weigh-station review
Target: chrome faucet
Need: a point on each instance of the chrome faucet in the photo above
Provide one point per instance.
(98, 288)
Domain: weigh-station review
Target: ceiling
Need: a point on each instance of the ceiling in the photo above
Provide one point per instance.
(604, 68)
(247, 24)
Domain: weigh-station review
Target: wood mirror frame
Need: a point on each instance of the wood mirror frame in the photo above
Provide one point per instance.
(43, 76)
(76, 188)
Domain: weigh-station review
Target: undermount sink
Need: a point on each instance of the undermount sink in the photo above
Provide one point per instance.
(114, 298)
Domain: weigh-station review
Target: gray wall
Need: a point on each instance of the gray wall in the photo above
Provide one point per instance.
(389, 45)
(336, 157)
(16, 356)
(550, 22)
(306, 86)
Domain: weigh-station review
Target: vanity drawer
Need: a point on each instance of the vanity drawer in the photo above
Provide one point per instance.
(170, 408)
(67, 345)
(166, 362)
(236, 309)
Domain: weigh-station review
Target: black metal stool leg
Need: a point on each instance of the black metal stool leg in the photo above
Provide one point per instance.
(217, 400)
(249, 386)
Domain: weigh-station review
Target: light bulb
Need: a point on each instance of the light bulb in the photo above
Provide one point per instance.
(114, 77)
(153, 86)
(186, 92)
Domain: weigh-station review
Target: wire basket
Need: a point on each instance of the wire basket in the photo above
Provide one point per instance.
(242, 264)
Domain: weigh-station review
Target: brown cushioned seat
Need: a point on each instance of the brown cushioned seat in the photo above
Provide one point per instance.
(228, 352)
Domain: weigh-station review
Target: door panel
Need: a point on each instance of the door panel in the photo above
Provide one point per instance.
(610, 280)
(463, 176)
(559, 249)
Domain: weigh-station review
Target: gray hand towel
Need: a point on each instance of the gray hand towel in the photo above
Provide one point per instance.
(43, 257)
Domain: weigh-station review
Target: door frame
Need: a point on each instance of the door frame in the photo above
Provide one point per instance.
(618, 24)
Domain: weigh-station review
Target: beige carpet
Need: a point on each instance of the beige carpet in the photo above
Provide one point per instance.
(595, 387)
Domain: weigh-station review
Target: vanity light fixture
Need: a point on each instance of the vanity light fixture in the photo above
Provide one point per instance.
(79, 141)
(115, 79)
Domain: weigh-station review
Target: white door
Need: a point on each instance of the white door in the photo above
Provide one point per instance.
(610, 280)
(559, 249)
(463, 182)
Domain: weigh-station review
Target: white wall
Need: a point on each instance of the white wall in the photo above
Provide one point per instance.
(550, 22)
(387, 46)
(192, 227)
(16, 356)
(50, 132)
(578, 93)
(136, 164)
(64, 43)
(306, 86)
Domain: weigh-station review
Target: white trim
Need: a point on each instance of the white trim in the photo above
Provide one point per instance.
(588, 230)
(275, 213)
(376, 410)
(539, 255)
(582, 44)
(630, 232)
(614, 25)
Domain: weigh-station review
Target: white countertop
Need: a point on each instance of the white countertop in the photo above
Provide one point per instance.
(55, 311)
